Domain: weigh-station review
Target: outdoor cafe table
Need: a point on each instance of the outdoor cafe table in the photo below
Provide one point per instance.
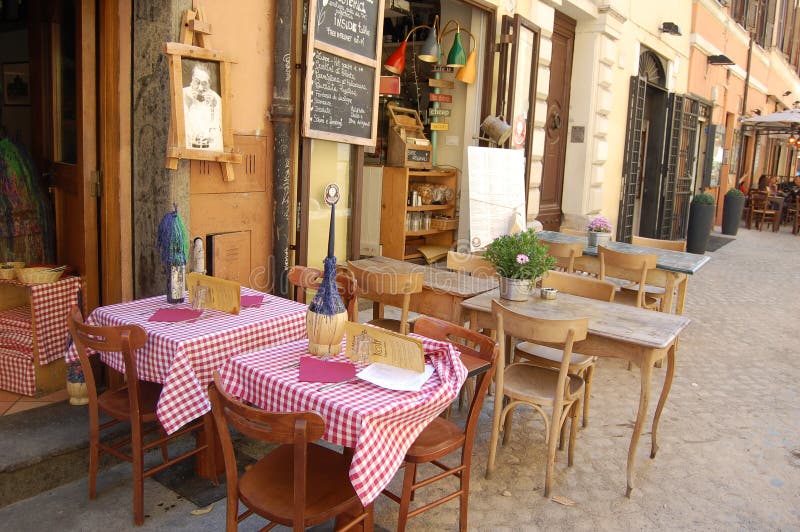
(615, 330)
(378, 424)
(672, 267)
(442, 290)
(183, 355)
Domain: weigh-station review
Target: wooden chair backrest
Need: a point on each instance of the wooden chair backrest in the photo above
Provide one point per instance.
(579, 285)
(91, 340)
(759, 202)
(565, 253)
(637, 264)
(672, 245)
(470, 263)
(284, 428)
(468, 342)
(574, 232)
(375, 285)
(307, 278)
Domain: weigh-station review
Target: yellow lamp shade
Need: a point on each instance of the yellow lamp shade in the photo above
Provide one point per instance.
(467, 73)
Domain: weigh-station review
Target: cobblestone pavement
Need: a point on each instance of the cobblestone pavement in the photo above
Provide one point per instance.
(729, 453)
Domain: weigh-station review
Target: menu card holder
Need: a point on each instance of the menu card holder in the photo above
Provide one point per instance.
(386, 347)
(222, 294)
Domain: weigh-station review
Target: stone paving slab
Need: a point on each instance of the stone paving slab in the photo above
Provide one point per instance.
(729, 453)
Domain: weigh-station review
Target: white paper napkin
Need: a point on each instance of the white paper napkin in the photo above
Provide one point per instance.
(394, 378)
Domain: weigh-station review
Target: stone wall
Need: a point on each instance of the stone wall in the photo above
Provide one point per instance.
(155, 188)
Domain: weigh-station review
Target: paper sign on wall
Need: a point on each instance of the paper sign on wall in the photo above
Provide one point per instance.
(373, 344)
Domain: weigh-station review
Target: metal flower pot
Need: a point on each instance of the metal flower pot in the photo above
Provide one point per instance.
(597, 238)
(514, 289)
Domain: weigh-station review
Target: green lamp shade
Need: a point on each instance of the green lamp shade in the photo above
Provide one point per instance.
(430, 48)
(457, 57)
(397, 61)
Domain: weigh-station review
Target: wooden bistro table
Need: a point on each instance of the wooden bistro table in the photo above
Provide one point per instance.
(184, 355)
(615, 330)
(672, 267)
(378, 424)
(442, 290)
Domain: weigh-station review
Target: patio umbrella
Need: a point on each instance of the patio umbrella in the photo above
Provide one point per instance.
(781, 122)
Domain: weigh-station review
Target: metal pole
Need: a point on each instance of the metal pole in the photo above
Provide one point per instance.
(740, 168)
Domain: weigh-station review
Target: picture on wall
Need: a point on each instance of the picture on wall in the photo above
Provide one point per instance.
(16, 84)
(202, 104)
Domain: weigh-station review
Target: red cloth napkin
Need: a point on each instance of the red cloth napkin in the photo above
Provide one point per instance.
(175, 314)
(251, 301)
(313, 369)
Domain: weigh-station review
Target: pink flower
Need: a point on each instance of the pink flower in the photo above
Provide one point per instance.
(523, 258)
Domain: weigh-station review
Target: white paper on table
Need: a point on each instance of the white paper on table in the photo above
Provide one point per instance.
(394, 378)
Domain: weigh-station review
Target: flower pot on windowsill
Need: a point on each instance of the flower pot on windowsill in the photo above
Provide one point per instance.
(597, 238)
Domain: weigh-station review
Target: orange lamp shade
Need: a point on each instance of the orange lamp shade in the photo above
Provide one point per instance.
(397, 61)
(466, 74)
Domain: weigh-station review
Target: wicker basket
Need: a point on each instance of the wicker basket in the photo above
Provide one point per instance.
(7, 273)
(443, 224)
(38, 275)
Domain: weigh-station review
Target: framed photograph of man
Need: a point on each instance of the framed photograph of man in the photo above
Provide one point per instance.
(200, 124)
(16, 84)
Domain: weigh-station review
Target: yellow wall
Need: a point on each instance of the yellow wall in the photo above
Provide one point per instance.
(330, 163)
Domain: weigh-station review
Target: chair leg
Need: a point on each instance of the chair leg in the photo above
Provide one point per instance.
(507, 426)
(555, 428)
(572, 430)
(138, 481)
(94, 459)
(587, 379)
(464, 498)
(405, 497)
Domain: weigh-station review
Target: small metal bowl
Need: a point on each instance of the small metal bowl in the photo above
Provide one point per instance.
(548, 293)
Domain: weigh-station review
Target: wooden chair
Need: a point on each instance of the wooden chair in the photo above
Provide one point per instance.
(565, 253)
(656, 292)
(760, 211)
(794, 212)
(299, 483)
(443, 437)
(574, 232)
(377, 286)
(581, 365)
(307, 278)
(470, 263)
(523, 383)
(630, 266)
(134, 403)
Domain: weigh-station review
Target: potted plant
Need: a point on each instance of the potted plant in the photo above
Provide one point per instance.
(732, 208)
(598, 231)
(520, 259)
(701, 220)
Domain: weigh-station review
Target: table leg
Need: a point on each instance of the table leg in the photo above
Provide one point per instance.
(663, 397)
(681, 295)
(203, 461)
(646, 373)
(669, 291)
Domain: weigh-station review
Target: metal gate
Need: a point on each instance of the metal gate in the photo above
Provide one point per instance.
(631, 158)
(679, 164)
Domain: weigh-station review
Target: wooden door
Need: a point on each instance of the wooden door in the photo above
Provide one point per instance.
(557, 122)
(65, 146)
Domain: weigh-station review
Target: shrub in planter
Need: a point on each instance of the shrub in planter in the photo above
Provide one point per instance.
(732, 208)
(701, 221)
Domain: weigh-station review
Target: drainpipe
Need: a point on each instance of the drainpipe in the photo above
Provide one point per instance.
(740, 169)
(282, 117)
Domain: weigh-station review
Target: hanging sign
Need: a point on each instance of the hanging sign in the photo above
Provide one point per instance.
(439, 126)
(443, 98)
(343, 70)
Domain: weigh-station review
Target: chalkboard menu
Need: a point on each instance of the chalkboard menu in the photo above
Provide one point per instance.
(342, 70)
(349, 24)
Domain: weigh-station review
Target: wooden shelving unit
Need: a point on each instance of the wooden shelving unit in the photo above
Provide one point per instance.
(397, 240)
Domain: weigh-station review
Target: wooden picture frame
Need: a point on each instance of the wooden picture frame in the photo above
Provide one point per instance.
(16, 84)
(200, 115)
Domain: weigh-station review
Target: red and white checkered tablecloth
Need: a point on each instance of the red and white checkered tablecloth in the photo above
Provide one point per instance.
(183, 355)
(379, 424)
(51, 303)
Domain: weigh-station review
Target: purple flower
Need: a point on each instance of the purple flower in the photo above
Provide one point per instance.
(523, 258)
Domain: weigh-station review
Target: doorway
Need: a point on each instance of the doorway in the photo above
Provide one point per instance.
(557, 122)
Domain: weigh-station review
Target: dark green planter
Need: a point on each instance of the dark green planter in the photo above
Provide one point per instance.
(732, 209)
(701, 220)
